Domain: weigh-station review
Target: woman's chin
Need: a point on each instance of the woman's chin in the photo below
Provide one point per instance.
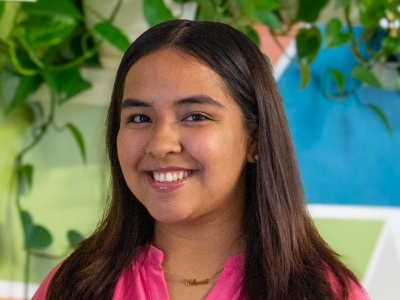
(170, 217)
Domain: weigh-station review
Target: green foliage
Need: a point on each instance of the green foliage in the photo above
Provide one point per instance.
(371, 12)
(74, 238)
(36, 236)
(205, 12)
(19, 86)
(43, 31)
(280, 17)
(365, 76)
(342, 3)
(251, 33)
(339, 79)
(65, 83)
(381, 115)
(333, 34)
(308, 42)
(305, 74)
(267, 4)
(26, 174)
(79, 139)
(113, 35)
(48, 44)
(51, 8)
(269, 18)
(2, 4)
(156, 12)
(309, 10)
(391, 45)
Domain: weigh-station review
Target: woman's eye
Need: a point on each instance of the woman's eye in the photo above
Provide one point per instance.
(139, 119)
(196, 117)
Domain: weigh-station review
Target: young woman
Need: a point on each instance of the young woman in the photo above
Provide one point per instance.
(206, 198)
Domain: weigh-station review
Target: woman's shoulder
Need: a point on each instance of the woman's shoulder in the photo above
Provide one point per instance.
(41, 292)
(356, 290)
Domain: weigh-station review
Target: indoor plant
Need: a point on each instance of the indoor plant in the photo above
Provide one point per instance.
(46, 44)
(377, 43)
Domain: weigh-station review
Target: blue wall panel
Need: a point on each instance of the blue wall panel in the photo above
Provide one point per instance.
(345, 154)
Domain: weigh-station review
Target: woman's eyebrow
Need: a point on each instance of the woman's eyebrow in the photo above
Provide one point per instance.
(196, 99)
(134, 103)
(200, 99)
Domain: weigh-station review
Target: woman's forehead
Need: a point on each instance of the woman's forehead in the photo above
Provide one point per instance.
(172, 70)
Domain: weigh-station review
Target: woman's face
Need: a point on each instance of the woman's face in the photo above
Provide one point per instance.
(181, 144)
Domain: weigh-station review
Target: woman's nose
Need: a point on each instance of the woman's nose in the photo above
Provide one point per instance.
(164, 140)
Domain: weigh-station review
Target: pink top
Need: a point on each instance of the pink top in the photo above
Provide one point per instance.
(145, 280)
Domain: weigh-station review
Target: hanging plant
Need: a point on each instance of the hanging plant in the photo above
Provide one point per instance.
(47, 43)
(380, 36)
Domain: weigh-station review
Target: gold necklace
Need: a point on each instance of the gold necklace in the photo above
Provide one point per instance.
(187, 282)
(192, 282)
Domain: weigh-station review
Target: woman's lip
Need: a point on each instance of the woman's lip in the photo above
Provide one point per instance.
(166, 186)
(168, 169)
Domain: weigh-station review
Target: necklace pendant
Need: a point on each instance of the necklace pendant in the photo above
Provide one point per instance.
(194, 282)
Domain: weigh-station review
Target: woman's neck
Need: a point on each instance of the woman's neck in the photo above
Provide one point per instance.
(198, 250)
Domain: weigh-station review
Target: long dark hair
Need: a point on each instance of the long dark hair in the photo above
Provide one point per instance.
(285, 257)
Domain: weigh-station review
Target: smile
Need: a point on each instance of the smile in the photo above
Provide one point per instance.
(171, 176)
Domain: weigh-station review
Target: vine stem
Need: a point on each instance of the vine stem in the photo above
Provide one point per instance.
(18, 163)
(115, 11)
(19, 159)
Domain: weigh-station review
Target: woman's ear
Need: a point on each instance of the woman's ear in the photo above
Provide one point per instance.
(252, 155)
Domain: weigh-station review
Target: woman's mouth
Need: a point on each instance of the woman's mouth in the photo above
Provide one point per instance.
(170, 176)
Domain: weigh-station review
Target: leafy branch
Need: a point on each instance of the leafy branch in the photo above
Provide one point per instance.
(47, 45)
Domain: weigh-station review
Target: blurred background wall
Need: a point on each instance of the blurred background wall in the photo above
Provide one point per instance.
(348, 160)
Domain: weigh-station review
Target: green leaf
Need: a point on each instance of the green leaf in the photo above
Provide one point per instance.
(51, 7)
(371, 13)
(66, 83)
(79, 139)
(391, 45)
(27, 173)
(342, 3)
(248, 10)
(16, 88)
(309, 10)
(155, 11)
(308, 42)
(366, 76)
(74, 238)
(205, 12)
(27, 224)
(334, 36)
(251, 34)
(44, 31)
(182, 1)
(113, 35)
(269, 18)
(305, 75)
(339, 79)
(382, 116)
(267, 4)
(37, 111)
(40, 238)
(1, 8)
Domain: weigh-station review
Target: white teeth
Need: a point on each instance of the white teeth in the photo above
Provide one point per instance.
(156, 176)
(162, 177)
(170, 176)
